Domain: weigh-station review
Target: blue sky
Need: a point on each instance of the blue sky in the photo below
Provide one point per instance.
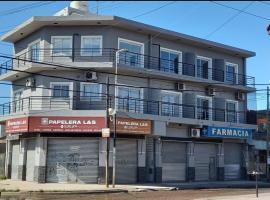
(194, 18)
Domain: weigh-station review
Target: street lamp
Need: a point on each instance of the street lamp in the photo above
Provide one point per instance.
(115, 110)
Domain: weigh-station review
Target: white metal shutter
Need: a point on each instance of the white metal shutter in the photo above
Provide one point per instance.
(30, 160)
(203, 154)
(15, 160)
(72, 161)
(173, 161)
(126, 161)
(232, 161)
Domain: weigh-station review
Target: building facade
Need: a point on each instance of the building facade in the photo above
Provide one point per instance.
(180, 101)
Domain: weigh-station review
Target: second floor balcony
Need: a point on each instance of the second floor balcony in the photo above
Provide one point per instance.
(105, 57)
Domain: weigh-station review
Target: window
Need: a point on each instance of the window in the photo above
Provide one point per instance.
(91, 91)
(231, 111)
(203, 66)
(169, 60)
(91, 45)
(60, 90)
(35, 51)
(61, 45)
(204, 105)
(170, 105)
(18, 104)
(134, 54)
(130, 99)
(231, 73)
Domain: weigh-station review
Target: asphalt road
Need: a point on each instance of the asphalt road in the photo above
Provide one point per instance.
(158, 195)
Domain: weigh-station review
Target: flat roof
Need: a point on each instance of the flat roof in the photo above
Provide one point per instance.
(37, 22)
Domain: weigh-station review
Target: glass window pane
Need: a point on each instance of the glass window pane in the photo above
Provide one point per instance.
(133, 57)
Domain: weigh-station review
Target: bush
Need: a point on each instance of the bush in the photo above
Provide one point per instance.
(3, 177)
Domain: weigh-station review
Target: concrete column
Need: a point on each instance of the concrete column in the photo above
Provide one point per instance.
(22, 160)
(158, 161)
(8, 159)
(245, 165)
(190, 162)
(142, 161)
(40, 160)
(102, 160)
(220, 162)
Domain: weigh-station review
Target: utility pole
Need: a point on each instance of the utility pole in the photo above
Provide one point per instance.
(267, 135)
(108, 126)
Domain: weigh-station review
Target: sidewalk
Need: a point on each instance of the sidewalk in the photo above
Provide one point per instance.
(263, 196)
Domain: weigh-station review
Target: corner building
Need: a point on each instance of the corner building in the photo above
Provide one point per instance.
(177, 97)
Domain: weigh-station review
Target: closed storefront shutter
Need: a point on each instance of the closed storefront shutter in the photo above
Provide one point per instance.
(72, 161)
(205, 161)
(173, 161)
(15, 160)
(232, 161)
(126, 161)
(30, 160)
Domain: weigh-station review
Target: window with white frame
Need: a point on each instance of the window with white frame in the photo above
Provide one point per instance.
(130, 99)
(91, 45)
(203, 67)
(231, 111)
(60, 90)
(171, 103)
(134, 54)
(91, 91)
(231, 73)
(35, 51)
(203, 108)
(17, 101)
(170, 60)
(61, 45)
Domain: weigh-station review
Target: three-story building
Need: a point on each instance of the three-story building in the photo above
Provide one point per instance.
(180, 102)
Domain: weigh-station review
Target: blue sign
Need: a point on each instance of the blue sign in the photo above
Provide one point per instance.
(226, 132)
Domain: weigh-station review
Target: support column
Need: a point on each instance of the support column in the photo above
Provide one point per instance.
(245, 165)
(102, 161)
(8, 159)
(158, 160)
(190, 162)
(142, 161)
(40, 160)
(220, 162)
(22, 160)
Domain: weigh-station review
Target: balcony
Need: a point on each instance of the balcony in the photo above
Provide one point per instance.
(131, 105)
(106, 58)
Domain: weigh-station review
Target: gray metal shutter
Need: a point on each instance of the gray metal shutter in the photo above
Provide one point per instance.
(72, 160)
(189, 105)
(173, 161)
(232, 161)
(189, 64)
(126, 161)
(30, 160)
(205, 161)
(218, 69)
(219, 112)
(15, 160)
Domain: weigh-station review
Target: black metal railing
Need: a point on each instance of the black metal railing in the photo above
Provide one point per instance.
(126, 58)
(140, 106)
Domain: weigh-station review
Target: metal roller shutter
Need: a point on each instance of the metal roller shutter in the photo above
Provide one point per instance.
(72, 161)
(205, 162)
(126, 161)
(232, 161)
(15, 160)
(173, 161)
(30, 160)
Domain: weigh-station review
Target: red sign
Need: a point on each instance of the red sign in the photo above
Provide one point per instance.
(17, 125)
(66, 124)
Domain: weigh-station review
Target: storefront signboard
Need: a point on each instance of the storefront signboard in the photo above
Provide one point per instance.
(226, 132)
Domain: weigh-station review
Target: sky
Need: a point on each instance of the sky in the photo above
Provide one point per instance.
(201, 19)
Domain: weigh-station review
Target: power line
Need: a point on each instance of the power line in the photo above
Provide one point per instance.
(229, 20)
(248, 13)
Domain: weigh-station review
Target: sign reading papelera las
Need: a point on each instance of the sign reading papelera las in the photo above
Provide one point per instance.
(133, 126)
(17, 125)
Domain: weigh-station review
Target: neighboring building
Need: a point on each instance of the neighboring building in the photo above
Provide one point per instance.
(181, 110)
(2, 151)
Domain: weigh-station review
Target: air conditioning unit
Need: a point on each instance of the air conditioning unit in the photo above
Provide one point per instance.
(195, 132)
(179, 86)
(240, 96)
(210, 91)
(91, 76)
(30, 82)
